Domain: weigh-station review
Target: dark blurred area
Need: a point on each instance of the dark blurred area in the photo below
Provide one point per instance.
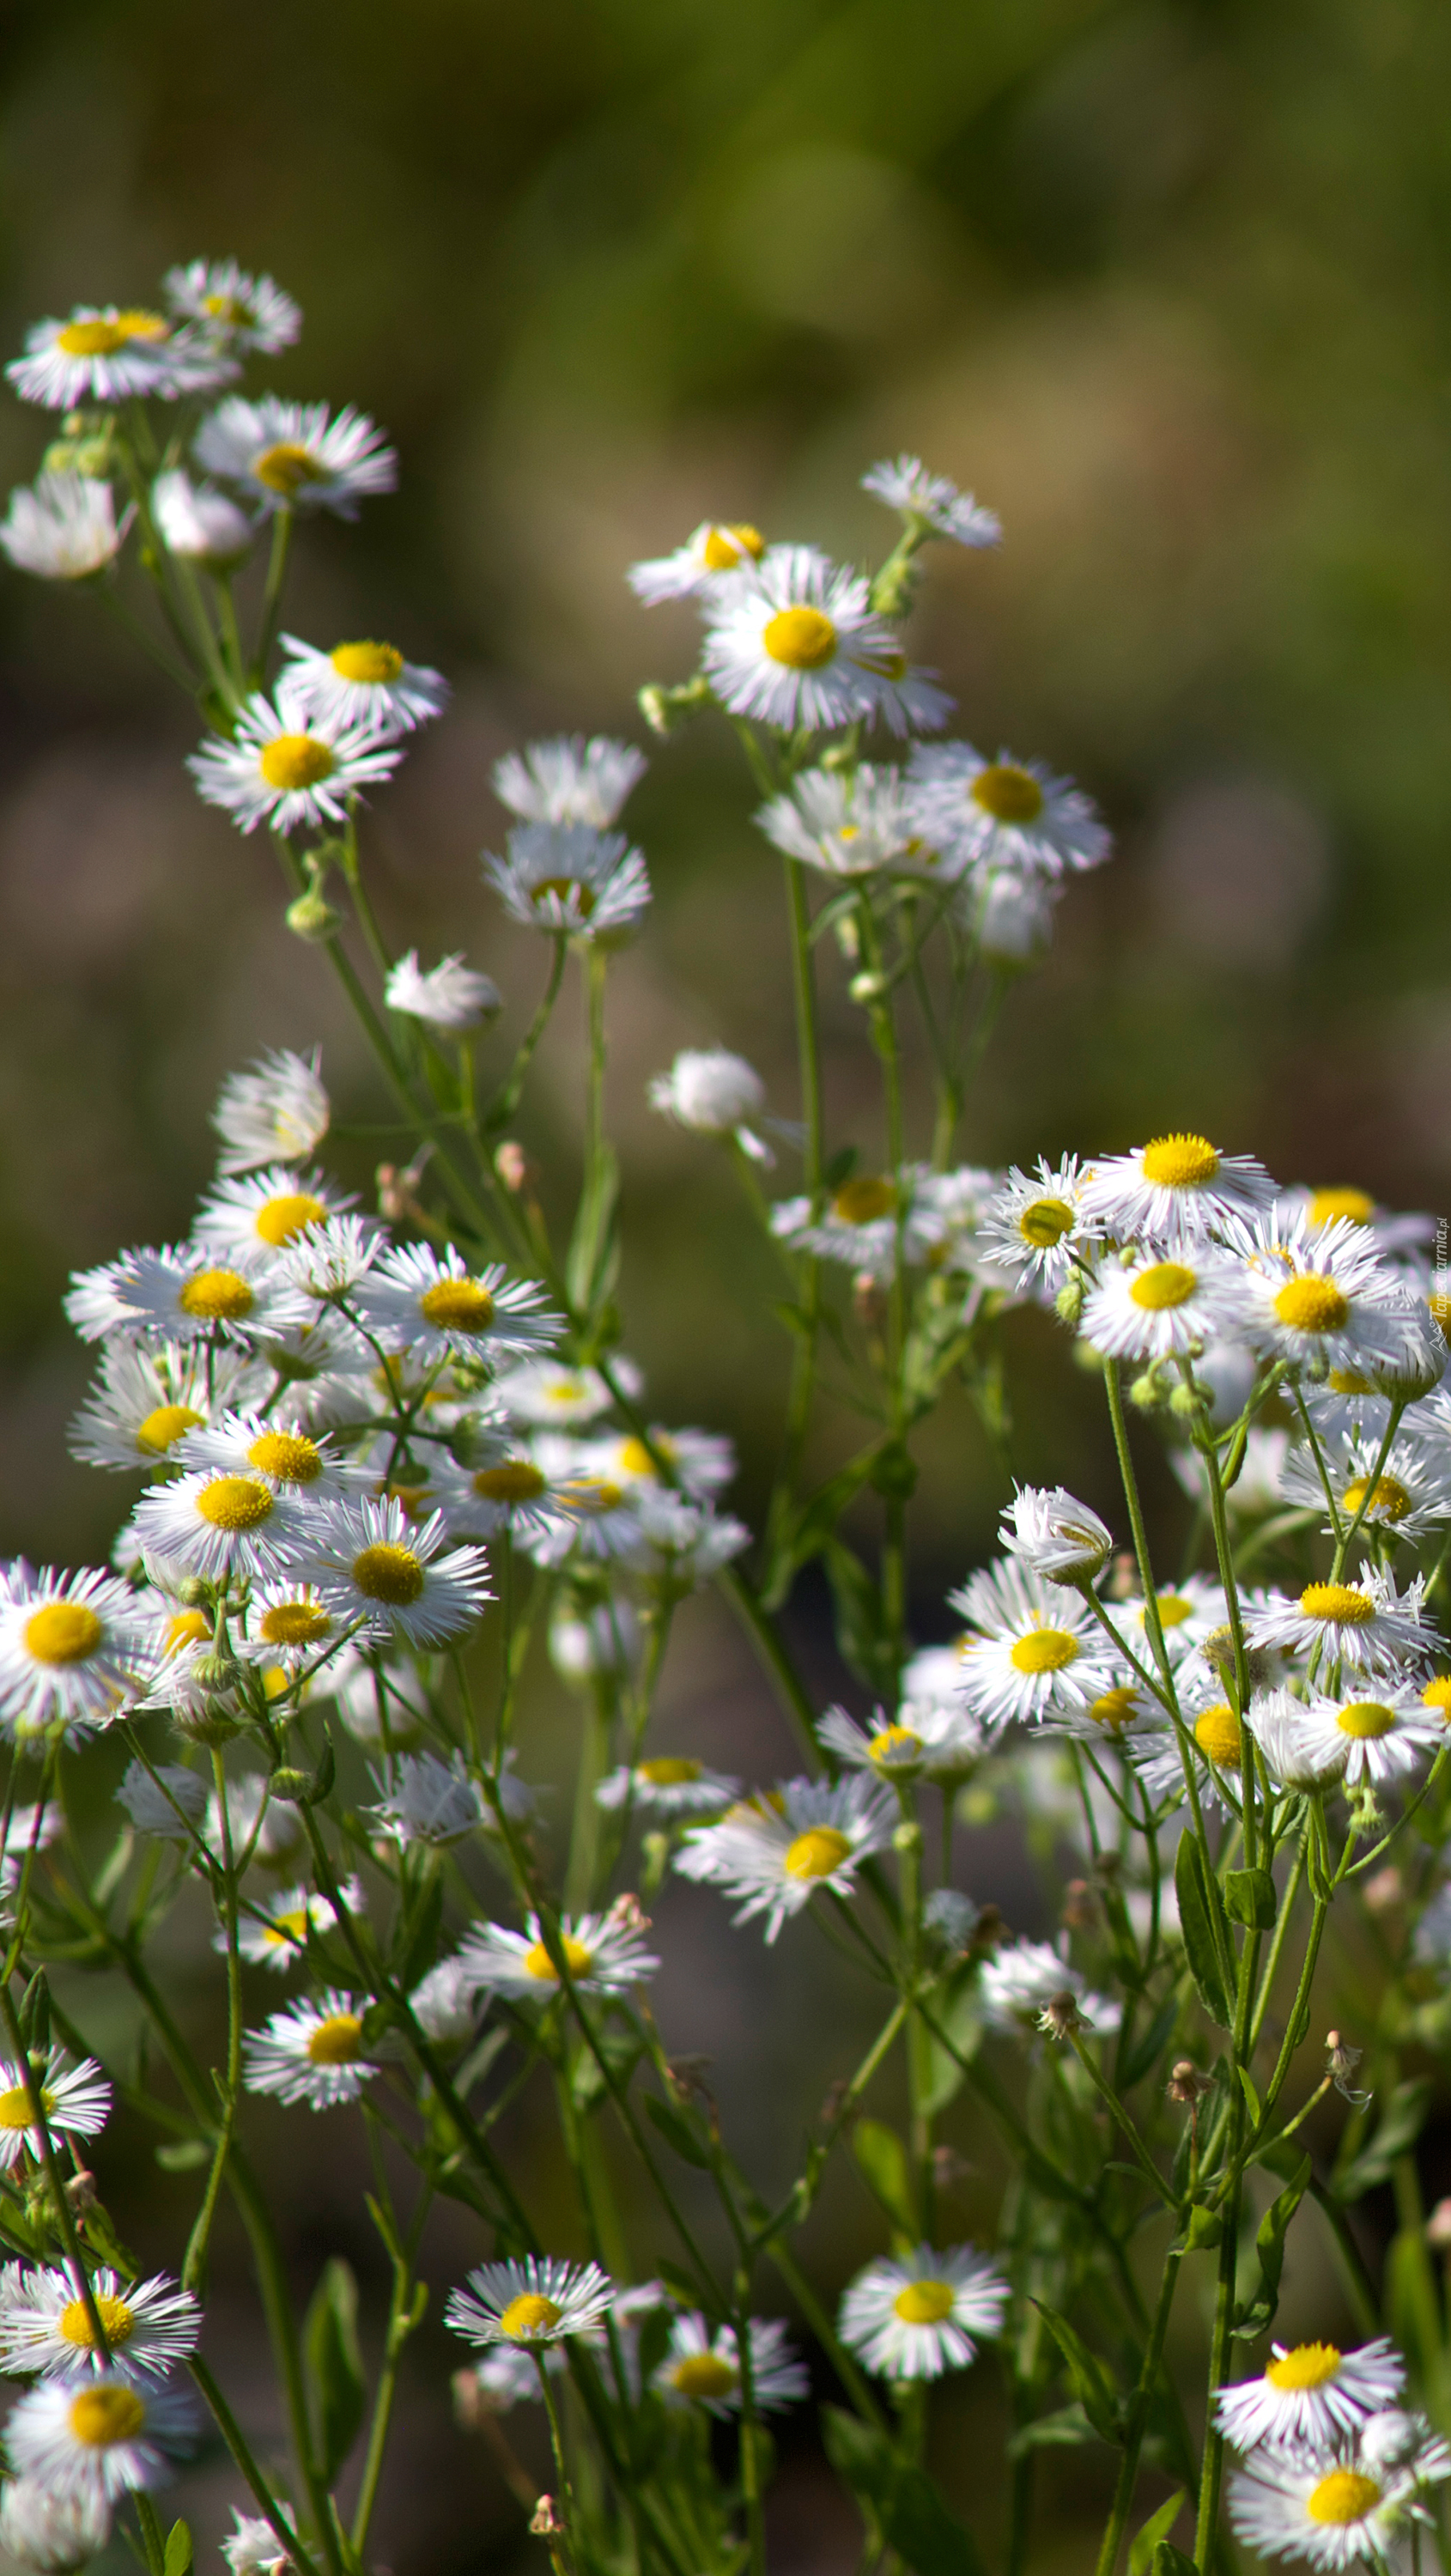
(1166, 285)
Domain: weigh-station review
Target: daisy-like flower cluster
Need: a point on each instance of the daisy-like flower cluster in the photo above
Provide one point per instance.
(1335, 2471)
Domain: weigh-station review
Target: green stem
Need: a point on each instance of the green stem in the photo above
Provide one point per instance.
(1138, 2418)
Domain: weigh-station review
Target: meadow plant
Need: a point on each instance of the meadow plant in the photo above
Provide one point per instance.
(378, 1459)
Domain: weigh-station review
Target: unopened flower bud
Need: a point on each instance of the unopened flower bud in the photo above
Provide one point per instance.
(546, 2524)
(513, 1165)
(1186, 2084)
(1146, 1393)
(868, 987)
(81, 2192)
(211, 1723)
(1341, 2061)
(195, 1593)
(291, 1786)
(1068, 1304)
(312, 917)
(1060, 2016)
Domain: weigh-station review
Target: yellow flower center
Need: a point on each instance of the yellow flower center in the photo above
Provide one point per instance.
(895, 1744)
(231, 309)
(802, 638)
(279, 1219)
(578, 1958)
(293, 760)
(168, 1424)
(1045, 1222)
(338, 2041)
(593, 1496)
(389, 1574)
(234, 1503)
(287, 467)
(1009, 794)
(295, 1623)
(923, 2303)
(103, 339)
(1218, 1737)
(817, 1852)
(1350, 1382)
(74, 2322)
(861, 1202)
(187, 1628)
(1115, 1708)
(1167, 1284)
(704, 2374)
(1326, 1205)
(1366, 1719)
(1439, 1305)
(373, 664)
(1174, 1609)
(287, 1931)
(288, 1455)
(1387, 1496)
(635, 1458)
(1044, 1650)
(1338, 1602)
(1347, 2495)
(1306, 2365)
(530, 2314)
(64, 1632)
(1179, 1162)
(1437, 1695)
(1312, 1304)
(518, 1480)
(670, 1770)
(217, 1297)
(724, 546)
(457, 1305)
(100, 2416)
(565, 887)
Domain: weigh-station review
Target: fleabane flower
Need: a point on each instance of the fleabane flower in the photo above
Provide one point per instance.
(253, 2548)
(248, 313)
(798, 643)
(1033, 1225)
(180, 1294)
(552, 1392)
(45, 2324)
(776, 1852)
(295, 456)
(571, 880)
(702, 2366)
(365, 684)
(1217, 1737)
(1373, 1739)
(99, 354)
(904, 483)
(1056, 1536)
(605, 1954)
(312, 2052)
(383, 1575)
(103, 2440)
(536, 2302)
(64, 529)
(1367, 1625)
(249, 1218)
(1408, 1496)
(714, 1093)
(72, 1648)
(923, 2314)
(1156, 1310)
(1323, 1295)
(432, 1306)
(449, 996)
(716, 547)
(428, 1801)
(1173, 1188)
(277, 1111)
(75, 2101)
(1310, 2393)
(855, 823)
(1001, 814)
(199, 523)
(665, 1787)
(213, 1523)
(275, 1448)
(1338, 2508)
(276, 1935)
(569, 779)
(681, 1544)
(53, 2535)
(1019, 1985)
(288, 766)
(890, 1748)
(1035, 1648)
(863, 1221)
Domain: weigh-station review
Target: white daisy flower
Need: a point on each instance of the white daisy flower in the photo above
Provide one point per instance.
(1035, 1647)
(666, 1787)
(925, 2313)
(275, 1112)
(251, 1217)
(100, 2441)
(534, 2302)
(1173, 1188)
(569, 780)
(1394, 1233)
(434, 1307)
(445, 2005)
(1276, 1721)
(1055, 1535)
(145, 1401)
(364, 684)
(552, 1392)
(606, 1642)
(702, 1461)
(288, 767)
(1218, 1736)
(385, 1575)
(45, 2325)
(702, 2367)
(716, 547)
(198, 523)
(1409, 1496)
(1337, 2509)
(1194, 1610)
(276, 1935)
(605, 1954)
(428, 1801)
(1022, 1979)
(54, 2535)
(904, 483)
(250, 313)
(1375, 1740)
(254, 2548)
(776, 1852)
(72, 1647)
(1324, 1296)
(63, 530)
(101, 354)
(1033, 1225)
(180, 1294)
(312, 2052)
(798, 643)
(215, 1524)
(1112, 1719)
(1310, 2394)
(1157, 1310)
(450, 996)
(571, 880)
(681, 1544)
(714, 1093)
(277, 1449)
(1001, 814)
(75, 2100)
(503, 1486)
(163, 1811)
(859, 1224)
(892, 1749)
(1366, 1625)
(850, 824)
(292, 456)
(603, 1515)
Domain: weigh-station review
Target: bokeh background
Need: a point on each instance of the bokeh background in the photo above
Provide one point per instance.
(1166, 284)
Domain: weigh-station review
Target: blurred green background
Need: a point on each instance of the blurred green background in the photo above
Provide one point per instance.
(1166, 284)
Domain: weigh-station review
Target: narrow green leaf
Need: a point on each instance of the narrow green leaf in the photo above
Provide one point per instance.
(883, 2161)
(1246, 2082)
(1157, 2528)
(1068, 2428)
(1198, 1898)
(1270, 2246)
(337, 2389)
(1169, 2561)
(1086, 2376)
(1249, 1896)
(179, 2552)
(674, 2126)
